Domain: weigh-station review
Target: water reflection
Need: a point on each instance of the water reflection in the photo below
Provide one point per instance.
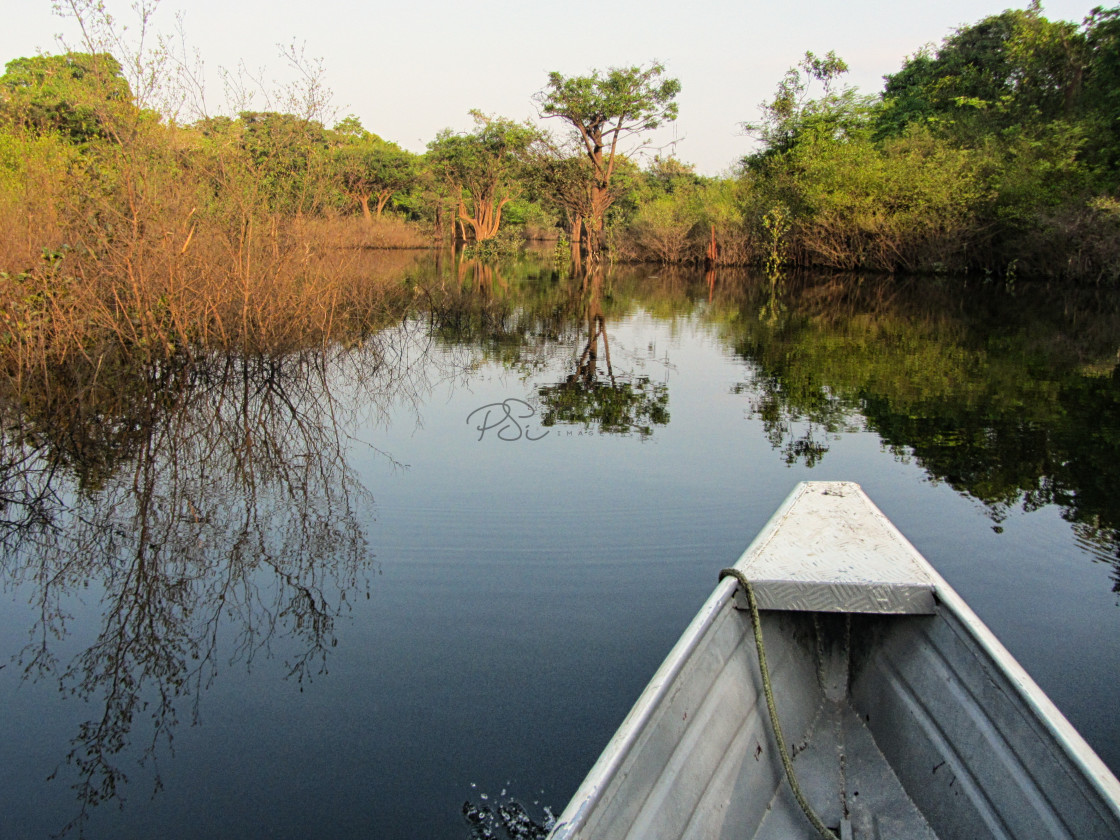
(209, 507)
(1007, 396)
(624, 403)
(516, 315)
(211, 513)
(542, 321)
(1009, 400)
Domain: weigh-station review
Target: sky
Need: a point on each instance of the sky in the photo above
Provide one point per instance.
(410, 68)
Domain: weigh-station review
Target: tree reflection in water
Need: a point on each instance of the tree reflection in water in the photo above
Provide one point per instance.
(211, 506)
(210, 511)
(624, 404)
(533, 324)
(1009, 401)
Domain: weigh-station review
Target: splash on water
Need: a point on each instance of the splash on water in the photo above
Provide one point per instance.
(504, 818)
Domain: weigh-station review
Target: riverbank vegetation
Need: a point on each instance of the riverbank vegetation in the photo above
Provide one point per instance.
(208, 476)
(996, 152)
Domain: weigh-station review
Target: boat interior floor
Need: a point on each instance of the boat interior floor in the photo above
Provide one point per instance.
(845, 776)
(898, 726)
(902, 715)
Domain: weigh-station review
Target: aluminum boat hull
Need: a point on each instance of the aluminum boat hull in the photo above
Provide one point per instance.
(905, 716)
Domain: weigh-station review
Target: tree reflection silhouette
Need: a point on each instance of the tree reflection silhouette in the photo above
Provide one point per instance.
(210, 504)
(623, 404)
(1009, 403)
(528, 323)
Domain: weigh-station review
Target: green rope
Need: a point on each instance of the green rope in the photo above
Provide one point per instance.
(787, 762)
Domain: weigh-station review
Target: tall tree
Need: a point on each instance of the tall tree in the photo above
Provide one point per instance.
(567, 180)
(485, 166)
(797, 113)
(288, 157)
(367, 166)
(607, 111)
(1101, 99)
(1012, 69)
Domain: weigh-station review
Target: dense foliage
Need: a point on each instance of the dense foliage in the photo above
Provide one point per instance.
(996, 152)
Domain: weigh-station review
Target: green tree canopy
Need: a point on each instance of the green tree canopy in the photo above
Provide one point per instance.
(287, 154)
(1101, 93)
(607, 110)
(367, 166)
(667, 175)
(1011, 69)
(75, 94)
(485, 168)
(796, 114)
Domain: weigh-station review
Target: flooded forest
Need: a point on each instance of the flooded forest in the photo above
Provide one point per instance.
(347, 491)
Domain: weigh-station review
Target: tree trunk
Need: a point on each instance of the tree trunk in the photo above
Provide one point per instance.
(364, 199)
(712, 254)
(576, 236)
(486, 220)
(601, 201)
(383, 199)
(439, 221)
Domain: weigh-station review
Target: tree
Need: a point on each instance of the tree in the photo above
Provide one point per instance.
(1021, 92)
(484, 167)
(668, 175)
(1008, 70)
(567, 180)
(1101, 92)
(795, 114)
(368, 166)
(75, 94)
(287, 155)
(606, 111)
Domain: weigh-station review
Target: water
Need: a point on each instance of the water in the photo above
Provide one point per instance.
(342, 594)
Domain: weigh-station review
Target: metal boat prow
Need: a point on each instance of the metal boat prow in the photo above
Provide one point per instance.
(903, 714)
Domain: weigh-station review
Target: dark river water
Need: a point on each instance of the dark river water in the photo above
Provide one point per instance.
(342, 592)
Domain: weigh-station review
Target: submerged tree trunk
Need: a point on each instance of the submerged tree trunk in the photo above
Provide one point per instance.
(487, 217)
(712, 254)
(576, 235)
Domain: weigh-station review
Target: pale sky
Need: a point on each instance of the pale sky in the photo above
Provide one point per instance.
(412, 67)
